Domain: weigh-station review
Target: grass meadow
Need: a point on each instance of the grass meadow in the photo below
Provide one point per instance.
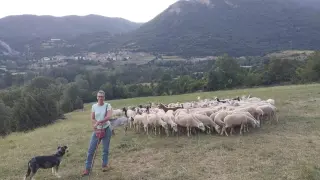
(289, 150)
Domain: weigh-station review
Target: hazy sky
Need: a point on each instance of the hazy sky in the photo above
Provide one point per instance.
(134, 10)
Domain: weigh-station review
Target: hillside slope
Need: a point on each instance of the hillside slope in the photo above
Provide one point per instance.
(272, 152)
(237, 27)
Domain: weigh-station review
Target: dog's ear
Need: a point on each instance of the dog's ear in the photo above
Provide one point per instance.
(59, 147)
(65, 147)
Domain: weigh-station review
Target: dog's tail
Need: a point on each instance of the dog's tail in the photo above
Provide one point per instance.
(28, 171)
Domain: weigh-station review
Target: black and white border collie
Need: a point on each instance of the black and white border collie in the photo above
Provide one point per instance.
(46, 162)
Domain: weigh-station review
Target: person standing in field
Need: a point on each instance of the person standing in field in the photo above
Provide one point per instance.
(100, 116)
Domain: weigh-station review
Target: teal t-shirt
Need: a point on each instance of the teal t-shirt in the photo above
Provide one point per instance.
(100, 112)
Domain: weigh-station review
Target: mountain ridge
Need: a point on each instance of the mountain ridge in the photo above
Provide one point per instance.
(34, 24)
(215, 27)
(19, 31)
(200, 28)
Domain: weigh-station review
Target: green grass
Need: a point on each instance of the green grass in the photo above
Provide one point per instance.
(288, 150)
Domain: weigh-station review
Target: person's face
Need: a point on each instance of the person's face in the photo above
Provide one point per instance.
(100, 97)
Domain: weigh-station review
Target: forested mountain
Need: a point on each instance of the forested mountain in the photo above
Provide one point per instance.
(18, 31)
(236, 27)
(186, 28)
(43, 26)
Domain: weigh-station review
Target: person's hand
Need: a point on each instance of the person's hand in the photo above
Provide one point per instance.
(100, 123)
(96, 124)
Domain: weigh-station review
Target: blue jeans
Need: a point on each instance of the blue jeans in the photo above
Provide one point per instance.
(92, 147)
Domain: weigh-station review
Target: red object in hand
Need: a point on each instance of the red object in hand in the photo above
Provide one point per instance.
(100, 133)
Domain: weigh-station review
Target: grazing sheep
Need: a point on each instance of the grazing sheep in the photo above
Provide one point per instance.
(233, 120)
(202, 114)
(141, 119)
(188, 121)
(157, 122)
(269, 112)
(169, 119)
(219, 118)
(207, 122)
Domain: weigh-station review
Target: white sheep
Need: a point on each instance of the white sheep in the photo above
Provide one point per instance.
(269, 111)
(219, 118)
(207, 121)
(202, 114)
(233, 120)
(271, 101)
(130, 116)
(118, 112)
(157, 122)
(169, 119)
(251, 118)
(188, 121)
(141, 119)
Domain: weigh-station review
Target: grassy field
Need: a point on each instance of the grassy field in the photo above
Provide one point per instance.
(288, 150)
(291, 54)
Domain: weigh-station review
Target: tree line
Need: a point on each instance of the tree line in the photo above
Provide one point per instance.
(39, 99)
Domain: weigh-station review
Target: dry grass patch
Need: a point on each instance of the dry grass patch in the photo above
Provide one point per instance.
(288, 150)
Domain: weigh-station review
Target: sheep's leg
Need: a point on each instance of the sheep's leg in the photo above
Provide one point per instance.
(241, 128)
(275, 117)
(146, 129)
(244, 128)
(260, 123)
(225, 131)
(188, 129)
(208, 129)
(222, 131)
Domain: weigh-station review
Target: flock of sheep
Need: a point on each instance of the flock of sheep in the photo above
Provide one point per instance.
(208, 115)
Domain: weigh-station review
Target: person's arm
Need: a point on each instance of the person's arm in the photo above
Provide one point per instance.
(108, 115)
(94, 122)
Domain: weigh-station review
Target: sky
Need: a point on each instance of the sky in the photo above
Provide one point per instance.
(133, 10)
